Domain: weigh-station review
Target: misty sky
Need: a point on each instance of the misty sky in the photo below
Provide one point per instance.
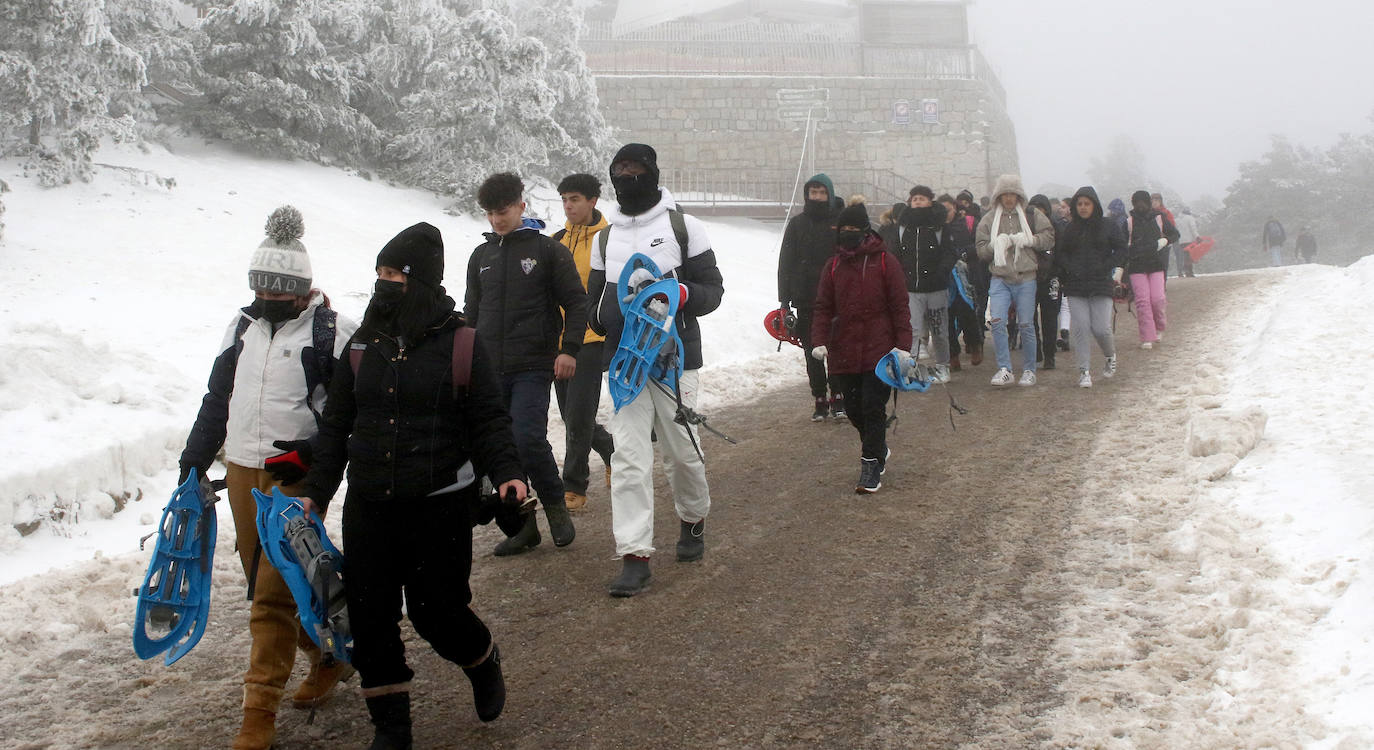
(1200, 84)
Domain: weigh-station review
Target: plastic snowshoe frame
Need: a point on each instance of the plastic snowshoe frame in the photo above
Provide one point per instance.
(649, 346)
(312, 567)
(175, 595)
(903, 375)
(775, 323)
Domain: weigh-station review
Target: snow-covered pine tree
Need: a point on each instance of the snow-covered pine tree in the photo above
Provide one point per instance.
(274, 76)
(59, 66)
(155, 30)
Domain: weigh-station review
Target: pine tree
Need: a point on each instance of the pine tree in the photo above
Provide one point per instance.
(59, 67)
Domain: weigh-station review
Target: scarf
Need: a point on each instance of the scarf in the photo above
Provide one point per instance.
(999, 253)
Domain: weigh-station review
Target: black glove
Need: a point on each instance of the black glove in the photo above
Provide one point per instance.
(185, 472)
(289, 467)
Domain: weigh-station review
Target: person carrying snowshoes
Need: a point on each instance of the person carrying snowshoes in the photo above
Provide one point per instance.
(646, 220)
(266, 391)
(862, 313)
(807, 243)
(524, 296)
(416, 442)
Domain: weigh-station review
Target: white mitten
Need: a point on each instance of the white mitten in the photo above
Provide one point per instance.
(1023, 239)
(1116, 274)
(1001, 242)
(1163, 243)
(818, 353)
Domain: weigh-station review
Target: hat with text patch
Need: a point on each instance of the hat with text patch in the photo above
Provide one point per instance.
(281, 265)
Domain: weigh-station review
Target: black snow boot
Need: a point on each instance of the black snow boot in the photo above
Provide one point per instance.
(822, 410)
(391, 716)
(691, 543)
(488, 685)
(560, 523)
(634, 577)
(524, 540)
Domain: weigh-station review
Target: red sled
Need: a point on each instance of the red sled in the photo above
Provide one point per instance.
(781, 326)
(1200, 247)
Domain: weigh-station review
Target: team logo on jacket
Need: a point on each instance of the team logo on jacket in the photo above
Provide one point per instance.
(657, 241)
(528, 265)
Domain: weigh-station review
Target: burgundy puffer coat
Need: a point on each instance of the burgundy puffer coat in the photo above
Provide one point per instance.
(861, 308)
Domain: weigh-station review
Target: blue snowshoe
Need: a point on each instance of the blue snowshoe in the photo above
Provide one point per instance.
(174, 600)
(903, 373)
(297, 546)
(650, 346)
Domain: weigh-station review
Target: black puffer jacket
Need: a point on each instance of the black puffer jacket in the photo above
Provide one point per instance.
(926, 251)
(1088, 251)
(807, 243)
(398, 426)
(1143, 253)
(515, 287)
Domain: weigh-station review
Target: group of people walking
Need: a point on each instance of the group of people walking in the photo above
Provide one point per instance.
(420, 401)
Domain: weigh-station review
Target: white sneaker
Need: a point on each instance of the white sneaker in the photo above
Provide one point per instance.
(1146, 345)
(1110, 369)
(1002, 377)
(1159, 337)
(1085, 379)
(1027, 378)
(939, 374)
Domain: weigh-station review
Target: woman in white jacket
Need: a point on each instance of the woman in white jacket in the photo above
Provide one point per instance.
(266, 391)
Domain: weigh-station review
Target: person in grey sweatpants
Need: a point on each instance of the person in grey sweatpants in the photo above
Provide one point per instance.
(1092, 250)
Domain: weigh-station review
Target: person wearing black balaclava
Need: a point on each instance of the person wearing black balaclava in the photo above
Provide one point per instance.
(415, 445)
(646, 220)
(927, 253)
(261, 407)
(807, 243)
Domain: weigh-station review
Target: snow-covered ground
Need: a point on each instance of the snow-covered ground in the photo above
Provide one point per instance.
(1260, 588)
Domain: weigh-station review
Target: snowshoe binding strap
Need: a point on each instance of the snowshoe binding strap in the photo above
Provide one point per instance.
(904, 374)
(174, 600)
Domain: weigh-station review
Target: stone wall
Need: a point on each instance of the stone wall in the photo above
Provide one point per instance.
(733, 123)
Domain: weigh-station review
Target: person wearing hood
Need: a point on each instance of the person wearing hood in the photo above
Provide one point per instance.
(262, 407)
(862, 313)
(963, 298)
(1011, 238)
(580, 396)
(1047, 292)
(1274, 239)
(1116, 211)
(1187, 235)
(413, 440)
(808, 241)
(646, 220)
(927, 253)
(525, 298)
(1148, 235)
(1091, 251)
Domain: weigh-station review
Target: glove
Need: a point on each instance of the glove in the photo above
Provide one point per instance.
(1022, 239)
(1001, 242)
(818, 353)
(1116, 274)
(185, 472)
(289, 467)
(1163, 243)
(639, 278)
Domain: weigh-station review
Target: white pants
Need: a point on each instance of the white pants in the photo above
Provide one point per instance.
(632, 466)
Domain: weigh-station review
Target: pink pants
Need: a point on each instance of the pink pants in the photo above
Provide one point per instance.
(1149, 304)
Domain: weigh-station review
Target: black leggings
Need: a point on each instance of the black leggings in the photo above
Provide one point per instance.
(422, 546)
(865, 403)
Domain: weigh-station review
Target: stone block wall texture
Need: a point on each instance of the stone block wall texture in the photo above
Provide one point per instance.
(732, 122)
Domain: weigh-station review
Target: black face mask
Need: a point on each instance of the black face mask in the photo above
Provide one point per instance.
(850, 239)
(816, 209)
(274, 310)
(635, 193)
(386, 295)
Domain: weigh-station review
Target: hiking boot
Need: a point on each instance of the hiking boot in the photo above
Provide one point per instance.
(573, 501)
(691, 542)
(391, 718)
(560, 524)
(488, 685)
(1063, 343)
(608, 475)
(954, 363)
(526, 539)
(1110, 368)
(975, 354)
(837, 406)
(1002, 377)
(318, 686)
(1085, 379)
(822, 409)
(1027, 378)
(634, 577)
(259, 726)
(870, 477)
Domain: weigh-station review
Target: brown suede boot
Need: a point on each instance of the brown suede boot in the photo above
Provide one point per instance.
(259, 717)
(574, 501)
(318, 686)
(975, 354)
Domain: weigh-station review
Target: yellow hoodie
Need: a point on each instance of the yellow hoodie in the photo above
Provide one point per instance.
(580, 240)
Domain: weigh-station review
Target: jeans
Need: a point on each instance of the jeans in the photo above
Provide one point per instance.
(578, 399)
(930, 315)
(865, 402)
(1150, 304)
(1000, 297)
(526, 395)
(815, 369)
(1092, 320)
(1276, 255)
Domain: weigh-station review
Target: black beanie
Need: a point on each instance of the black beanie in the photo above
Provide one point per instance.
(1140, 195)
(417, 252)
(855, 215)
(641, 154)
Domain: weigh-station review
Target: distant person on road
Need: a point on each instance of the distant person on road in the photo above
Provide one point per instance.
(808, 241)
(1047, 293)
(968, 205)
(927, 254)
(963, 307)
(1157, 203)
(1011, 239)
(1274, 238)
(1306, 245)
(1089, 257)
(862, 308)
(1148, 234)
(1187, 235)
(1116, 212)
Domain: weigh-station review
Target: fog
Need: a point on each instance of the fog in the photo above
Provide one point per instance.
(1200, 85)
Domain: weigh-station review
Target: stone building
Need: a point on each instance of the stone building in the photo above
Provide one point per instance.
(741, 96)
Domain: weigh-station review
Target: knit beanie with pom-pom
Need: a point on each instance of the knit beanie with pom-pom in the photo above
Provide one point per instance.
(281, 265)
